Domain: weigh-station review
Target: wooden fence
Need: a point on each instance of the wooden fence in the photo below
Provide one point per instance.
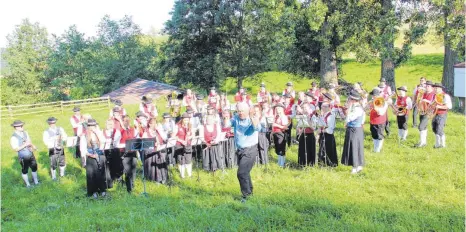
(90, 104)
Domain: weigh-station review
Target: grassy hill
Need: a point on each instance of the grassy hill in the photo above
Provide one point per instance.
(400, 189)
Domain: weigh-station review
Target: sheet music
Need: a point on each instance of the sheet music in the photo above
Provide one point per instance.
(71, 141)
(196, 141)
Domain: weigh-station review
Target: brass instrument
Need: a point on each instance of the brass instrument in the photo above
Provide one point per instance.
(438, 101)
(420, 93)
(423, 107)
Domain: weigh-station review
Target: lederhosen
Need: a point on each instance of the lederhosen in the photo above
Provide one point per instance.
(212, 158)
(279, 138)
(96, 172)
(438, 122)
(327, 146)
(378, 123)
(155, 162)
(183, 153)
(56, 154)
(424, 119)
(26, 157)
(229, 146)
(307, 145)
(353, 147)
(114, 161)
(129, 158)
(402, 120)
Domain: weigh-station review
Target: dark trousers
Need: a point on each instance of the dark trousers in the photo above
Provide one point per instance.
(115, 163)
(377, 131)
(402, 122)
(56, 157)
(288, 134)
(246, 158)
(96, 175)
(415, 116)
(423, 121)
(28, 162)
(129, 165)
(307, 149)
(438, 124)
(387, 126)
(77, 152)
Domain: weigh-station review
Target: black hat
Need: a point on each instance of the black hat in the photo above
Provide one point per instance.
(199, 97)
(91, 122)
(279, 105)
(382, 79)
(116, 109)
(166, 115)
(17, 123)
(313, 84)
(189, 111)
(76, 109)
(185, 115)
(118, 102)
(439, 85)
(146, 100)
(262, 85)
(287, 95)
(140, 114)
(355, 95)
(429, 83)
(52, 120)
(328, 96)
(289, 84)
(375, 92)
(403, 88)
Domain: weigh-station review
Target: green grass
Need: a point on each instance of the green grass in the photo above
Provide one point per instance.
(400, 189)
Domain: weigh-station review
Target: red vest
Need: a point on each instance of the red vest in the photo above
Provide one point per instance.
(116, 123)
(429, 96)
(210, 136)
(309, 130)
(148, 110)
(181, 133)
(279, 122)
(441, 111)
(377, 119)
(264, 97)
(76, 120)
(127, 134)
(401, 102)
(150, 135)
(288, 109)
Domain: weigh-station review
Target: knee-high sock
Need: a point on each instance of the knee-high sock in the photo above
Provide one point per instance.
(189, 169)
(379, 145)
(279, 160)
(405, 134)
(62, 171)
(35, 177)
(400, 133)
(437, 140)
(283, 161)
(54, 173)
(25, 178)
(444, 140)
(423, 137)
(375, 144)
(181, 168)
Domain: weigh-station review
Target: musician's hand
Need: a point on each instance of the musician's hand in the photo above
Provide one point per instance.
(27, 143)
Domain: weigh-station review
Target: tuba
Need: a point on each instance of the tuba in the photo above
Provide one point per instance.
(379, 103)
(438, 100)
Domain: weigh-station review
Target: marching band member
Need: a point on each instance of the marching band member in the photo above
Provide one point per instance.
(246, 136)
(148, 108)
(321, 97)
(118, 104)
(289, 91)
(386, 93)
(169, 127)
(378, 119)
(189, 99)
(229, 144)
(263, 96)
(213, 98)
(442, 105)
(307, 140)
(279, 127)
(174, 105)
(268, 113)
(211, 111)
(246, 99)
(140, 123)
(155, 162)
(224, 103)
(21, 143)
(327, 145)
(239, 94)
(194, 120)
(184, 149)
(358, 88)
(428, 97)
(301, 98)
(353, 148)
(53, 138)
(276, 99)
(129, 158)
(335, 98)
(91, 144)
(288, 110)
(112, 137)
(402, 102)
(420, 87)
(311, 98)
(201, 107)
(77, 123)
(263, 142)
(314, 91)
(117, 118)
(212, 158)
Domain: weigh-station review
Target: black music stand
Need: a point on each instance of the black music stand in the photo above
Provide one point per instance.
(194, 143)
(303, 125)
(140, 145)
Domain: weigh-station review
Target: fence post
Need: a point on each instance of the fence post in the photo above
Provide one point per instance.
(108, 101)
(10, 111)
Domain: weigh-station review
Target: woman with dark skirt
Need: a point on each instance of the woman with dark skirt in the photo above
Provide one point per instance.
(112, 153)
(91, 145)
(129, 158)
(263, 145)
(228, 145)
(183, 149)
(327, 145)
(279, 127)
(306, 137)
(353, 147)
(212, 157)
(155, 162)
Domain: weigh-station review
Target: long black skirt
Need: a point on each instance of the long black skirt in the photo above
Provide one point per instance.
(280, 143)
(115, 163)
(307, 145)
(263, 147)
(155, 166)
(328, 150)
(96, 175)
(212, 158)
(229, 149)
(353, 148)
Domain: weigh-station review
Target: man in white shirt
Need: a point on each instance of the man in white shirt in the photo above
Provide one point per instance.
(442, 103)
(53, 138)
(21, 143)
(77, 123)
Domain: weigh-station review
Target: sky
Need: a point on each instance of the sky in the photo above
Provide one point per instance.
(57, 16)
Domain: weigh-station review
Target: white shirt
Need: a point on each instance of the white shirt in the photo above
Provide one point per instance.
(355, 113)
(83, 141)
(409, 103)
(447, 101)
(109, 143)
(154, 109)
(14, 141)
(50, 141)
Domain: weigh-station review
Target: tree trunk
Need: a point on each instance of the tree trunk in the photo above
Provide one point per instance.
(328, 67)
(449, 60)
(388, 53)
(388, 72)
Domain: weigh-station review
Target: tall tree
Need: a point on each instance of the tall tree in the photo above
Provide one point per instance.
(26, 53)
